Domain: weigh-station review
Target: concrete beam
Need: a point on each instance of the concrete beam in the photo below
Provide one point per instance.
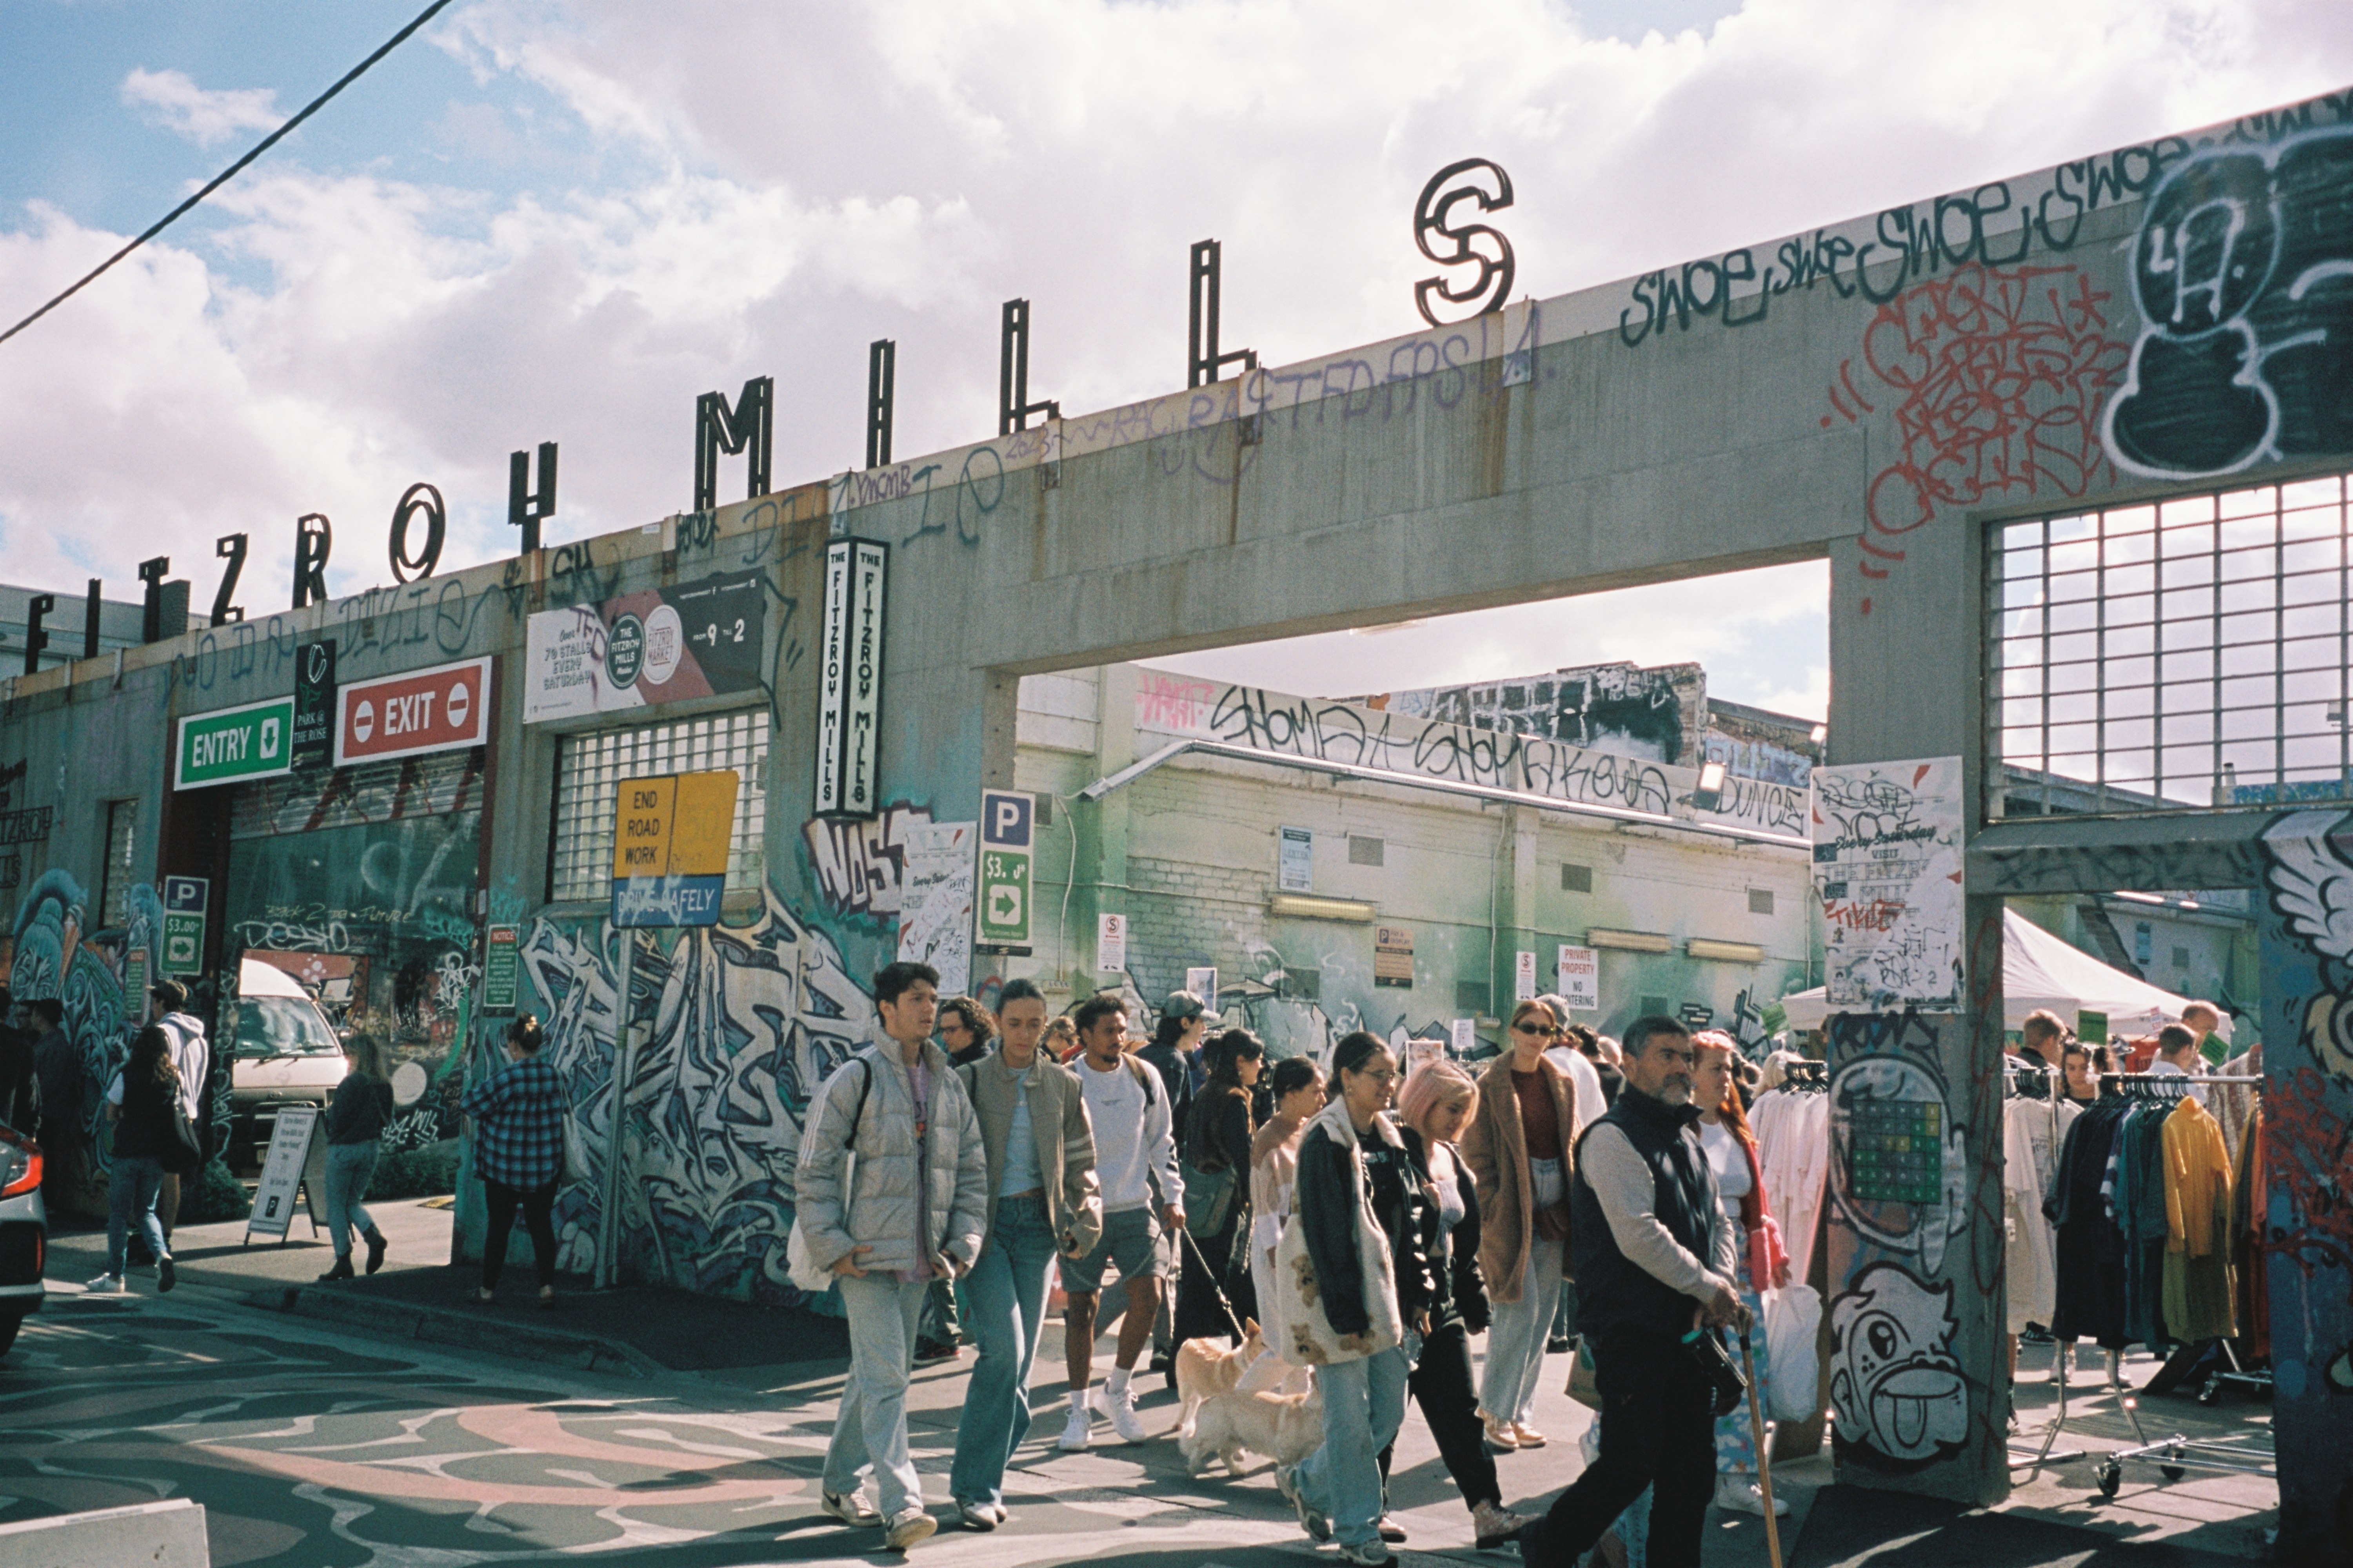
(155, 1534)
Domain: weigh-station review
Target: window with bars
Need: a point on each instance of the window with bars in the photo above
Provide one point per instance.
(2188, 652)
(590, 767)
(121, 845)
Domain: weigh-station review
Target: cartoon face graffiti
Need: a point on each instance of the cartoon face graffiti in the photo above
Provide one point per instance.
(1900, 1400)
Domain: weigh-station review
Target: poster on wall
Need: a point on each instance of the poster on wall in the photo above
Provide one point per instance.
(1393, 956)
(1296, 862)
(702, 638)
(1524, 977)
(1887, 870)
(1110, 942)
(1466, 1035)
(1580, 977)
(501, 970)
(935, 905)
(1203, 983)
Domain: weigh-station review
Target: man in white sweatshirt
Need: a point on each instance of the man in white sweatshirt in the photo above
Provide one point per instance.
(1136, 1153)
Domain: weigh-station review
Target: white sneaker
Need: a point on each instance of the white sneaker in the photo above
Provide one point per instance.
(849, 1507)
(979, 1515)
(1371, 1554)
(1737, 1496)
(109, 1285)
(907, 1528)
(1119, 1409)
(1079, 1431)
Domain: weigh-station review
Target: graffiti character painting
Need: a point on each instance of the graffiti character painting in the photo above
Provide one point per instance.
(1896, 1389)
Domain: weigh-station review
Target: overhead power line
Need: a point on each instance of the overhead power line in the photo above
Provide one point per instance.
(225, 175)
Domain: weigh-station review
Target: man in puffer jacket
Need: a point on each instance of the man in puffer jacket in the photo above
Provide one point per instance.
(916, 1210)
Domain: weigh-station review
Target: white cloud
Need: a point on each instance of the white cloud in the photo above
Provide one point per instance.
(796, 180)
(180, 106)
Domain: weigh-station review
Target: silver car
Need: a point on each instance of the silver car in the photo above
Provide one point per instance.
(24, 1233)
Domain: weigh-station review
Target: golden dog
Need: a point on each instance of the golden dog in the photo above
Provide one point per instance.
(1206, 1368)
(1285, 1427)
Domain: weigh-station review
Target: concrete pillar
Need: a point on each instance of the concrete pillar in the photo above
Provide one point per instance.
(1515, 905)
(1101, 870)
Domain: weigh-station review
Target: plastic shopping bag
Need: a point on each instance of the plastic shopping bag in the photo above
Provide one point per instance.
(1793, 1317)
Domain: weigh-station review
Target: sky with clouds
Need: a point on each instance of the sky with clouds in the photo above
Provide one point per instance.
(560, 219)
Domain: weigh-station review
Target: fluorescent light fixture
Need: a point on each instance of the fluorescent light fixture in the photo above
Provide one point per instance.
(2141, 897)
(1630, 941)
(1724, 951)
(1299, 906)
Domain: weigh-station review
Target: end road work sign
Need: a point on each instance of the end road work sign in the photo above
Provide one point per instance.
(254, 741)
(670, 836)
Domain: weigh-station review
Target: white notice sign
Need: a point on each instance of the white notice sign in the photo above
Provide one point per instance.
(1466, 1035)
(1887, 869)
(1295, 864)
(1110, 942)
(936, 902)
(1580, 977)
(1203, 983)
(288, 1167)
(1524, 977)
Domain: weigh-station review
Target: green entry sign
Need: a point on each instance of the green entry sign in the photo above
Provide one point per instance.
(255, 742)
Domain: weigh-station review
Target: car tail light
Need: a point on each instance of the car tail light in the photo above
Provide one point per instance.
(20, 1163)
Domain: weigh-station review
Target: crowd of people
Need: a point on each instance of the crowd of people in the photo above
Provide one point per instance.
(1380, 1218)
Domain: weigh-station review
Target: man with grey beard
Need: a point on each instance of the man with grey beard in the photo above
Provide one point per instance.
(1654, 1256)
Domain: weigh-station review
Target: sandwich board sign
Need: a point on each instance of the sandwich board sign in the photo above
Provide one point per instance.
(295, 1166)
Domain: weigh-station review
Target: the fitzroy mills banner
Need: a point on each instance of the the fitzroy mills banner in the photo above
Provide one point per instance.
(702, 638)
(849, 682)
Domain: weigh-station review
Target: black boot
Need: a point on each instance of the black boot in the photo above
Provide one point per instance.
(376, 1244)
(341, 1270)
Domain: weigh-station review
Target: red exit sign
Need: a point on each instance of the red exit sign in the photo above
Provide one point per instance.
(436, 710)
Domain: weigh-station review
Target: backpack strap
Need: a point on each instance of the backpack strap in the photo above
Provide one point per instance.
(1146, 1073)
(858, 1111)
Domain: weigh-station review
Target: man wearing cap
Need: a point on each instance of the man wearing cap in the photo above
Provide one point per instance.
(184, 1036)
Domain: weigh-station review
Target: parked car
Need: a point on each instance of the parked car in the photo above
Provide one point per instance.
(24, 1233)
(282, 1051)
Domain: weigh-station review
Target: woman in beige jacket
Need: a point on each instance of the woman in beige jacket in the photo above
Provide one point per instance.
(1518, 1149)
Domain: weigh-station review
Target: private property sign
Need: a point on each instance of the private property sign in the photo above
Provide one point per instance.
(443, 709)
(254, 741)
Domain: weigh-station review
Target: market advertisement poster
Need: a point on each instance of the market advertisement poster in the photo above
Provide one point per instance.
(702, 638)
(1887, 869)
(935, 904)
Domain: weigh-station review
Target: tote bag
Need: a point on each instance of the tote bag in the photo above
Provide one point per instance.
(812, 1276)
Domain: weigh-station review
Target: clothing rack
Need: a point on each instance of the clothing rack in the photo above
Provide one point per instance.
(2022, 1082)
(1806, 1077)
(2174, 1457)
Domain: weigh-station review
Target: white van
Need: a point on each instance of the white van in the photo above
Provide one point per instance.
(282, 1051)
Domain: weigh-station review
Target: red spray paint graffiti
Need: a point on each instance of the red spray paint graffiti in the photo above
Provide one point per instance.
(1999, 375)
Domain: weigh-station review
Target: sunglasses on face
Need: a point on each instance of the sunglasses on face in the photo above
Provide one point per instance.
(1547, 1030)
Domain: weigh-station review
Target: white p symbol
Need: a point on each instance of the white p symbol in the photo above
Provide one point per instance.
(1008, 817)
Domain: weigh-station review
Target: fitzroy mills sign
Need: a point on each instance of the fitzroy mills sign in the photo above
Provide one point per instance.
(255, 742)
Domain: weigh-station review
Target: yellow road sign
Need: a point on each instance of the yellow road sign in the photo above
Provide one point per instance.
(674, 825)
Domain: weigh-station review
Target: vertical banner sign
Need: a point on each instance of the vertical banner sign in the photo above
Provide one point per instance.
(315, 703)
(1524, 977)
(501, 970)
(1393, 956)
(936, 902)
(849, 679)
(1203, 983)
(1580, 977)
(184, 899)
(1887, 869)
(1110, 942)
(670, 838)
(1002, 899)
(1295, 863)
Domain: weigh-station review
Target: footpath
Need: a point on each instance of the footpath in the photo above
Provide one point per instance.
(651, 1338)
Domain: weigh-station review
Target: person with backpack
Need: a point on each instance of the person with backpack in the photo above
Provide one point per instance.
(356, 1115)
(1217, 1134)
(912, 1206)
(183, 1034)
(1135, 1156)
(150, 1136)
(1044, 1203)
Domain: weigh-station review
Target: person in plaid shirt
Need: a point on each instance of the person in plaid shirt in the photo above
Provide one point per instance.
(518, 1116)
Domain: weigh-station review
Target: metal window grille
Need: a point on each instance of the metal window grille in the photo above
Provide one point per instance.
(589, 772)
(122, 844)
(2186, 653)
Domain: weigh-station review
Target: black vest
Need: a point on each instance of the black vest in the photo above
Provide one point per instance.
(1614, 1294)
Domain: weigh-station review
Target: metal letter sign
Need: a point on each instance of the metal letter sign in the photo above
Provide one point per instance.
(1001, 910)
(1434, 214)
(254, 741)
(671, 839)
(849, 679)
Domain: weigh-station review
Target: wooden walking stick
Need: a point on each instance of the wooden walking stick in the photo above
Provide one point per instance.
(1763, 1459)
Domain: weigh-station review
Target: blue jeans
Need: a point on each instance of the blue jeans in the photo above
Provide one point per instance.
(1007, 1293)
(1364, 1406)
(130, 1197)
(869, 1425)
(349, 1166)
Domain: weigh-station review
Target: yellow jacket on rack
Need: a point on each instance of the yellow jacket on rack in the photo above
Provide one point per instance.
(2198, 1294)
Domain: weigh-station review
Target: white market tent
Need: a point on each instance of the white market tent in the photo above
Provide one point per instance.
(2039, 969)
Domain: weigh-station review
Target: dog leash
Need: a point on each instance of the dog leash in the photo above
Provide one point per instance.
(1232, 1316)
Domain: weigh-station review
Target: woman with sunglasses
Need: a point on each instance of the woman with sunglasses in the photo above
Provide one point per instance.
(1517, 1148)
